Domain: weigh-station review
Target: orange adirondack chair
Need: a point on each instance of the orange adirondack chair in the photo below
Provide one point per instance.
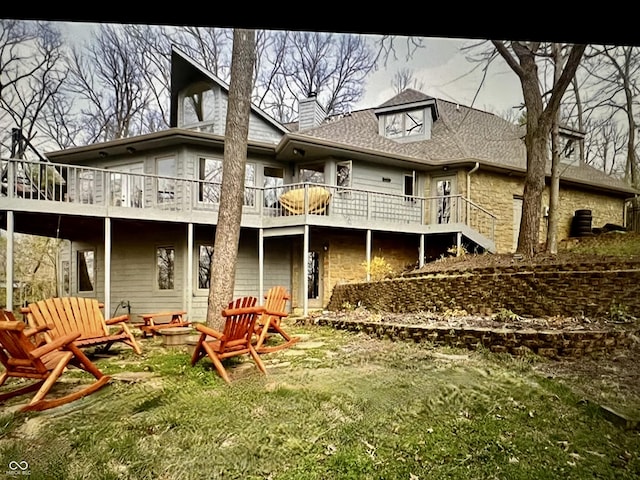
(269, 322)
(235, 339)
(78, 314)
(44, 364)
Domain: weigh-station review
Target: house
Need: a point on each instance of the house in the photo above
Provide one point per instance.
(406, 181)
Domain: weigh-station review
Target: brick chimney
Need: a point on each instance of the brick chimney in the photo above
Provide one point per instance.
(310, 112)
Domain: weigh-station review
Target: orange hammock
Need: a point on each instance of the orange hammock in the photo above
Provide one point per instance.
(317, 199)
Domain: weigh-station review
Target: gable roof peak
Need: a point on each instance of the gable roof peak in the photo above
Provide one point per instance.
(407, 96)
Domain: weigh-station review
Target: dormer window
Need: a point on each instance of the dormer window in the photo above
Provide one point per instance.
(408, 117)
(404, 124)
(570, 141)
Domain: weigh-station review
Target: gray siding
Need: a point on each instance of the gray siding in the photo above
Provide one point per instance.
(134, 274)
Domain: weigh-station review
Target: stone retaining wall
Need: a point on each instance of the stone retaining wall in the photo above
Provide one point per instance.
(552, 344)
(590, 291)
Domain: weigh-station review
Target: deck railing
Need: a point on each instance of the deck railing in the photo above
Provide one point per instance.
(113, 188)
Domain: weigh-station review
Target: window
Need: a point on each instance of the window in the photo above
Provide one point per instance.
(272, 183)
(198, 105)
(205, 254)
(249, 184)
(165, 262)
(405, 124)
(166, 171)
(86, 270)
(85, 187)
(65, 280)
(312, 174)
(343, 174)
(443, 191)
(409, 184)
(210, 176)
(570, 151)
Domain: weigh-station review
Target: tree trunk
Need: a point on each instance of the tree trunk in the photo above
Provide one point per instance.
(554, 187)
(227, 235)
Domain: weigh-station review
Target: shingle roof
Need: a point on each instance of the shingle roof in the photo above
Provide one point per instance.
(459, 134)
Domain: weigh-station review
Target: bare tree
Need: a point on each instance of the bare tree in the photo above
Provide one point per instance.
(227, 236)
(521, 58)
(615, 72)
(110, 86)
(32, 71)
(404, 78)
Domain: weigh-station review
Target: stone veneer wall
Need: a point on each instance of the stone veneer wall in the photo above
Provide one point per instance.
(495, 192)
(585, 290)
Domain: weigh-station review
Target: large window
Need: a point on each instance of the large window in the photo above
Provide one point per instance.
(205, 254)
(85, 186)
(272, 183)
(86, 270)
(166, 171)
(210, 177)
(165, 267)
(404, 124)
(312, 174)
(198, 105)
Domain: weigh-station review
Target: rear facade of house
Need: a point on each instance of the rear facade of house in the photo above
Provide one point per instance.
(409, 181)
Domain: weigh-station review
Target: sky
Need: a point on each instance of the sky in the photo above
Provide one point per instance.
(442, 71)
(440, 68)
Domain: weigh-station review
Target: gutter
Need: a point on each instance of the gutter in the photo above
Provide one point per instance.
(469, 173)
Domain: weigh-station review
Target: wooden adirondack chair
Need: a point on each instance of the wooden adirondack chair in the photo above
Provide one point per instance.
(269, 322)
(235, 339)
(44, 364)
(84, 315)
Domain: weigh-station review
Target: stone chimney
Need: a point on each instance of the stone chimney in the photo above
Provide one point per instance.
(310, 112)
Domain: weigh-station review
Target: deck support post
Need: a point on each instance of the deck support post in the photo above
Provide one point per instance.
(9, 266)
(368, 255)
(421, 252)
(458, 244)
(261, 265)
(305, 272)
(189, 285)
(107, 267)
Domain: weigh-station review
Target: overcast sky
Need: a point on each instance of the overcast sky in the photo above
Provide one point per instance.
(440, 69)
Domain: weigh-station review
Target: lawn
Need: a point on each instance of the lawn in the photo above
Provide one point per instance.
(337, 405)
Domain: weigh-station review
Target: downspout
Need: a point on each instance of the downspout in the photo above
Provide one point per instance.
(469, 173)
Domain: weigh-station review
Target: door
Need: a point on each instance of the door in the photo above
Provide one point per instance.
(127, 186)
(443, 206)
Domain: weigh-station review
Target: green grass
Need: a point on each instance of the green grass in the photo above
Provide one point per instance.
(347, 407)
(611, 243)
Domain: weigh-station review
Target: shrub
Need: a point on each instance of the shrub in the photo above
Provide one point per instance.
(377, 268)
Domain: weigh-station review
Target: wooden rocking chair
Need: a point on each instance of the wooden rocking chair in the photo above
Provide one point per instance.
(269, 322)
(23, 359)
(84, 315)
(235, 339)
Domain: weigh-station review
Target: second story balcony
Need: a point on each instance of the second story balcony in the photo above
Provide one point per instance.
(79, 190)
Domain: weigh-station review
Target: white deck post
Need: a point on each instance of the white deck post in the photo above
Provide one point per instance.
(261, 265)
(305, 272)
(421, 251)
(107, 267)
(189, 286)
(9, 266)
(368, 255)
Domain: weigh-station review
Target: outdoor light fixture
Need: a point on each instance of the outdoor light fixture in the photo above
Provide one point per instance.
(102, 153)
(298, 151)
(131, 150)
